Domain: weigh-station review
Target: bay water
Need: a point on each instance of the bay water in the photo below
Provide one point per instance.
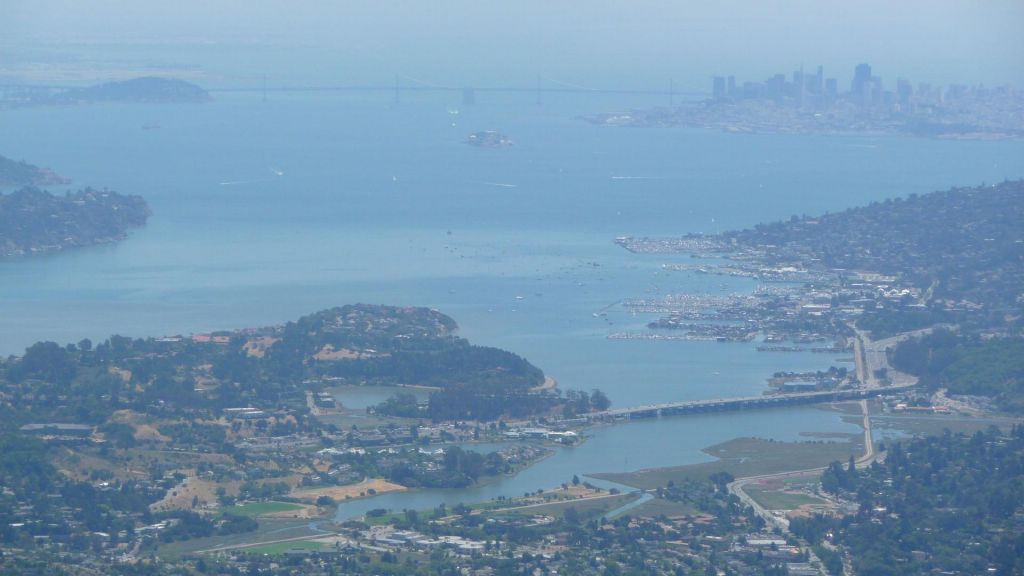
(265, 211)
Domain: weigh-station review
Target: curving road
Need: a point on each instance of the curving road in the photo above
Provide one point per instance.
(737, 486)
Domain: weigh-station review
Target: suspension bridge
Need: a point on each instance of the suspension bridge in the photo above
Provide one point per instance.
(404, 84)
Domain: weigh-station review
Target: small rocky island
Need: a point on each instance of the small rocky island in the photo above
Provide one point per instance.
(33, 220)
(16, 174)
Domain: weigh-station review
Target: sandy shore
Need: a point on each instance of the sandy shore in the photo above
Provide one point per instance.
(340, 493)
(306, 512)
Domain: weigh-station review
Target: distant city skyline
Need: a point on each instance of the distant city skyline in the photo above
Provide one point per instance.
(864, 86)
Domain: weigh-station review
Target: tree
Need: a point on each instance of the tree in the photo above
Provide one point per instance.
(831, 478)
(46, 361)
(599, 401)
(412, 517)
(721, 479)
(571, 515)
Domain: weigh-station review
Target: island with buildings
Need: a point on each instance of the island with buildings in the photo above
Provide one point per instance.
(34, 220)
(811, 103)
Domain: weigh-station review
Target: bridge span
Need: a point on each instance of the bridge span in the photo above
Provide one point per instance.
(744, 403)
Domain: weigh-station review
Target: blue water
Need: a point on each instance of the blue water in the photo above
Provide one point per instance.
(638, 445)
(384, 203)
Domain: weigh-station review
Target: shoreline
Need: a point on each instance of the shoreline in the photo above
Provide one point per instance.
(349, 492)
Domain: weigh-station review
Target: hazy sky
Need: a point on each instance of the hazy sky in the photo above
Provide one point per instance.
(587, 42)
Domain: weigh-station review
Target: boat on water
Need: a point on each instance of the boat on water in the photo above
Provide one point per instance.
(488, 139)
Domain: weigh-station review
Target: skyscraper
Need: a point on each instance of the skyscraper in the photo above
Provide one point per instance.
(831, 88)
(861, 78)
(904, 91)
(718, 88)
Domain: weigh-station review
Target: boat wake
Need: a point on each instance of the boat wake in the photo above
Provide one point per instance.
(240, 182)
(275, 171)
(499, 184)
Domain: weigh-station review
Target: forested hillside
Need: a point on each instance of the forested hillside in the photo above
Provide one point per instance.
(948, 504)
(967, 365)
(970, 241)
(33, 220)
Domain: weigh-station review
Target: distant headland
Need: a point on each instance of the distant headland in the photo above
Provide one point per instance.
(34, 221)
(151, 89)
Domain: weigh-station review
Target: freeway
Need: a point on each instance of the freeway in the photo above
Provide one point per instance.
(872, 359)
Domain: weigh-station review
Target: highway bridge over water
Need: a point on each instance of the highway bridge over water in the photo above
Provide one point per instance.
(745, 403)
(870, 357)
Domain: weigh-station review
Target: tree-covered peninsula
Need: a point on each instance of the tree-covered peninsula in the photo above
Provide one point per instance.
(960, 248)
(966, 243)
(151, 441)
(940, 274)
(33, 220)
(272, 367)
